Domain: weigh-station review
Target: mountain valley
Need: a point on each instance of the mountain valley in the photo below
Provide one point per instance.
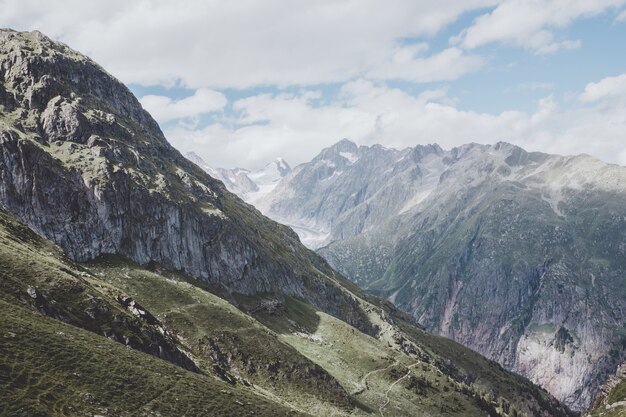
(134, 283)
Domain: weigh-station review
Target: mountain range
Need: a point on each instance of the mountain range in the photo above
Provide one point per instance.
(518, 255)
(251, 186)
(132, 282)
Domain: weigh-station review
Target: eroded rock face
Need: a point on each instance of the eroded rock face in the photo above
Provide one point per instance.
(611, 399)
(85, 166)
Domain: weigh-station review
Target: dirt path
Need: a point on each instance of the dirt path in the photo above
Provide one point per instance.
(362, 386)
(387, 400)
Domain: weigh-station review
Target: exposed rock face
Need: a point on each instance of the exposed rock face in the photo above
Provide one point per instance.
(85, 166)
(611, 400)
(521, 256)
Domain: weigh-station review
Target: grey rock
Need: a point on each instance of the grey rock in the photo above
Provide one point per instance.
(32, 292)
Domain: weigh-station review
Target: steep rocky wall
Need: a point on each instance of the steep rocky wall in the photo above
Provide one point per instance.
(85, 166)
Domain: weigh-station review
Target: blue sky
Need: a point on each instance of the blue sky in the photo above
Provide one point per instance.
(241, 83)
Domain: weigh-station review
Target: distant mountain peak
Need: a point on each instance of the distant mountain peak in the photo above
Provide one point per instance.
(248, 185)
(270, 175)
(280, 165)
(195, 158)
(343, 145)
(346, 141)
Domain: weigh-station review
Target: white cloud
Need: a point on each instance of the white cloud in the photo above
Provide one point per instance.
(296, 127)
(553, 47)
(531, 23)
(244, 43)
(219, 44)
(608, 87)
(449, 64)
(621, 17)
(203, 101)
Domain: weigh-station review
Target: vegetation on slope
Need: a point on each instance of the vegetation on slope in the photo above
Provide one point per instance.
(283, 355)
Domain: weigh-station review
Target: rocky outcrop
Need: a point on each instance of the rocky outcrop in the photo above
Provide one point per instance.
(85, 166)
(520, 256)
(63, 293)
(611, 400)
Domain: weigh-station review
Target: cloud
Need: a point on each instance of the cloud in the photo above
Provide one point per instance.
(359, 47)
(240, 44)
(296, 126)
(531, 24)
(552, 47)
(608, 87)
(203, 101)
(406, 64)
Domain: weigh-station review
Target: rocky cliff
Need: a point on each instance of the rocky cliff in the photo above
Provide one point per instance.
(520, 256)
(85, 166)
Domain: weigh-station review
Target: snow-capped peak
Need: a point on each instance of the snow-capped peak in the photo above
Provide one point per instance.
(197, 159)
(349, 156)
(272, 172)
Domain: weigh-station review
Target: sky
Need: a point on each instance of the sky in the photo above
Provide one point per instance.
(243, 82)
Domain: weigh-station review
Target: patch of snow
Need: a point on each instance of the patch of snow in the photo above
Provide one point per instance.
(328, 163)
(311, 238)
(349, 156)
(264, 189)
(311, 235)
(393, 296)
(553, 197)
(335, 174)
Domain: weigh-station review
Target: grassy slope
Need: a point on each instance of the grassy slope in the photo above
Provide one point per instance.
(51, 368)
(223, 338)
(70, 293)
(297, 358)
(407, 371)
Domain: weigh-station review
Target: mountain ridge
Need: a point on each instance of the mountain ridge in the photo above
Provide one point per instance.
(435, 230)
